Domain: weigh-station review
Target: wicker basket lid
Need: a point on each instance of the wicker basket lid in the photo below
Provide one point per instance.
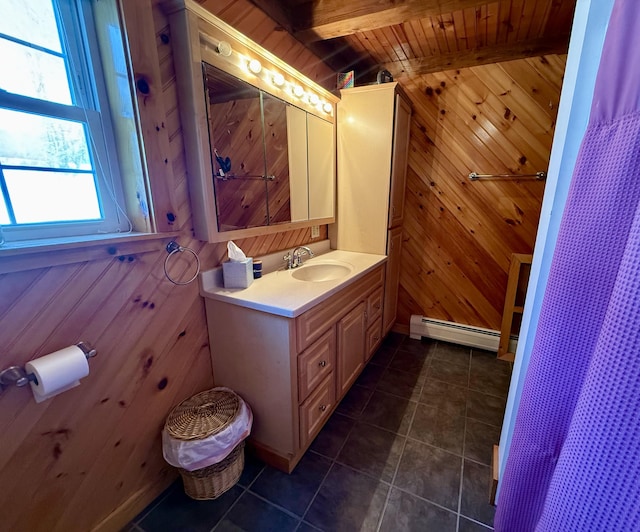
(202, 415)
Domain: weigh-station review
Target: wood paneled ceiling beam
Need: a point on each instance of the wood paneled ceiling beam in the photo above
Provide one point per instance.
(276, 10)
(479, 56)
(326, 19)
(337, 54)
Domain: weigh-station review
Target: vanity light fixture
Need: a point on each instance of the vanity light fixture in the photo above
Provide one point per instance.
(255, 66)
(278, 79)
(224, 48)
(298, 91)
(327, 107)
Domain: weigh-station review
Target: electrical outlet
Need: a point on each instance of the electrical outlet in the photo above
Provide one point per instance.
(315, 231)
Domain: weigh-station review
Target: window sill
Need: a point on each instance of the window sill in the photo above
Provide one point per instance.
(30, 255)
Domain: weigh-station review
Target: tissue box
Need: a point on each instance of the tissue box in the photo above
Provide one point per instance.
(237, 274)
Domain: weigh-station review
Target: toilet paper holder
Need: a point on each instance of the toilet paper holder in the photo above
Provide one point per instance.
(17, 375)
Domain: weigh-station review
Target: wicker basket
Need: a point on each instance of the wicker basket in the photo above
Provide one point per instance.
(202, 415)
(196, 418)
(211, 482)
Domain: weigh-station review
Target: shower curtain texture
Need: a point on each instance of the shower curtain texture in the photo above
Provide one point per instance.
(574, 461)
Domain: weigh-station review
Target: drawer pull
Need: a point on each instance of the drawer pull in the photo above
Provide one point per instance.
(323, 408)
(322, 363)
(377, 305)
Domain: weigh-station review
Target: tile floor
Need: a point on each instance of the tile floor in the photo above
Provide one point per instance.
(408, 449)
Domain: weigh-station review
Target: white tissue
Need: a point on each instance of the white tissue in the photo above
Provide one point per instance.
(237, 272)
(235, 253)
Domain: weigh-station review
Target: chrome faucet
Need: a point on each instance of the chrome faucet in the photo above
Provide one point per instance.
(294, 258)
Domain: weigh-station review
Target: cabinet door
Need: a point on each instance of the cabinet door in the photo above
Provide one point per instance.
(402, 125)
(275, 145)
(322, 168)
(392, 278)
(365, 143)
(297, 144)
(351, 347)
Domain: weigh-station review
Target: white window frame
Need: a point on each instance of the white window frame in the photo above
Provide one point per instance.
(91, 108)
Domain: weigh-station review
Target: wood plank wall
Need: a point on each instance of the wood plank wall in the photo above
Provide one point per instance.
(458, 235)
(91, 457)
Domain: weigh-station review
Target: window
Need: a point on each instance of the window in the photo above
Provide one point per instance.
(59, 172)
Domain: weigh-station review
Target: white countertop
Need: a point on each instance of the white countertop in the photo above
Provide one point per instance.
(280, 293)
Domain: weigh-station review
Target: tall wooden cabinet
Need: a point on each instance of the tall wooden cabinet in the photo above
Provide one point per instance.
(373, 140)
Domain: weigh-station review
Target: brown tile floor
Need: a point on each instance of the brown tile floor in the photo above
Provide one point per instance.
(408, 449)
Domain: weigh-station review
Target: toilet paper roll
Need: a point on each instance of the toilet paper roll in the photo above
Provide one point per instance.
(57, 372)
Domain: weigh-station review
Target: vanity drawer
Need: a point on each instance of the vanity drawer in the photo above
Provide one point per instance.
(374, 306)
(374, 338)
(316, 409)
(315, 363)
(314, 322)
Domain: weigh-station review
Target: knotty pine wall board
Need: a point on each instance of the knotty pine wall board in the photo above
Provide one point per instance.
(458, 235)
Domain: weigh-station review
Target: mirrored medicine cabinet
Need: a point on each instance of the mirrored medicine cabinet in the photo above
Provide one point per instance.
(259, 136)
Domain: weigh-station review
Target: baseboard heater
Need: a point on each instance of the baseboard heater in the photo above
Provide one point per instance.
(456, 333)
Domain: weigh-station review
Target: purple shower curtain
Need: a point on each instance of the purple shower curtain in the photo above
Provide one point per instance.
(574, 461)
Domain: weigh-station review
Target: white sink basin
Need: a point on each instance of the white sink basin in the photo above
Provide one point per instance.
(322, 271)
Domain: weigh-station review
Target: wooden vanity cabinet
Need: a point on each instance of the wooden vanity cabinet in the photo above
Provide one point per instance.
(293, 371)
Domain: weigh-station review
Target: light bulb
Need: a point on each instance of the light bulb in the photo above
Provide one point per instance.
(298, 91)
(255, 66)
(278, 79)
(314, 99)
(224, 48)
(327, 107)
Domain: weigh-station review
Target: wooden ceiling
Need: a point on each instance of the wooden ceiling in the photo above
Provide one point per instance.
(413, 37)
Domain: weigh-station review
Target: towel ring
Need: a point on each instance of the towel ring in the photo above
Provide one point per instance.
(172, 248)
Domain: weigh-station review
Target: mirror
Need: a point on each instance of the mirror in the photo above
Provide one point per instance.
(277, 159)
(259, 140)
(237, 150)
(249, 152)
(268, 156)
